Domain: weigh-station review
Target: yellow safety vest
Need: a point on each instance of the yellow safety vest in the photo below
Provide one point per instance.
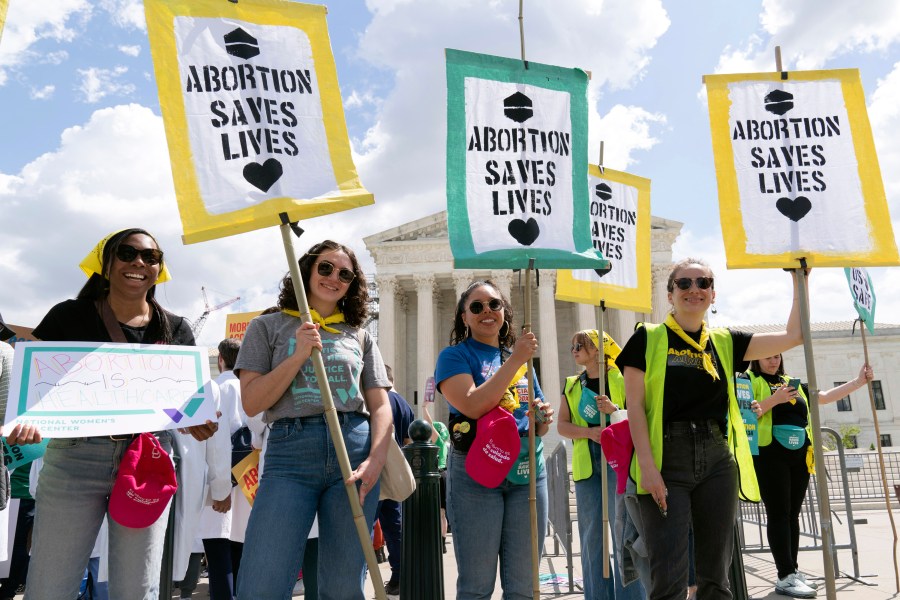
(582, 465)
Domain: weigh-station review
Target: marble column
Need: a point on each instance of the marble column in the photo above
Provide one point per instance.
(549, 352)
(504, 279)
(425, 355)
(387, 319)
(461, 282)
(660, 300)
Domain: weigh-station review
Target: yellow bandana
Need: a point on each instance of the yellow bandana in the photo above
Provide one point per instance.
(93, 262)
(610, 347)
(337, 317)
(510, 400)
(672, 324)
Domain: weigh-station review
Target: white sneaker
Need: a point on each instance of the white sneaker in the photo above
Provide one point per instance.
(802, 577)
(794, 587)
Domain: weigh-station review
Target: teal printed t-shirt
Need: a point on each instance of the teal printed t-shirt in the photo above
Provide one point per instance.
(270, 340)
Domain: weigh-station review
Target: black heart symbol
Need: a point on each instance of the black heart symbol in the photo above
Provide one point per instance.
(525, 232)
(263, 176)
(794, 209)
(602, 272)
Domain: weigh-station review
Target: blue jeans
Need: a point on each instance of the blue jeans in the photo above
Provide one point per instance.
(390, 516)
(492, 523)
(588, 500)
(72, 498)
(701, 478)
(302, 478)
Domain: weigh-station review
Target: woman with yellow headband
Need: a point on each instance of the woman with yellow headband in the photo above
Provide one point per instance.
(691, 456)
(78, 473)
(580, 414)
(785, 461)
(302, 476)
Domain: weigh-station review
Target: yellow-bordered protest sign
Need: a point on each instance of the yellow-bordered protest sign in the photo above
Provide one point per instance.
(253, 114)
(246, 473)
(620, 229)
(4, 5)
(797, 171)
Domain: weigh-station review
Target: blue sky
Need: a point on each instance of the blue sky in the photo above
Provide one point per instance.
(84, 150)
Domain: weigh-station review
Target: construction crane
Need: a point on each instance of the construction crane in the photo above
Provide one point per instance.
(201, 320)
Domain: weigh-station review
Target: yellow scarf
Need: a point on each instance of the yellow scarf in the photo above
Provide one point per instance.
(510, 400)
(337, 317)
(672, 324)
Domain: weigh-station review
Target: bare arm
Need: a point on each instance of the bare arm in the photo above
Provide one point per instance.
(380, 423)
(866, 374)
(763, 345)
(475, 401)
(260, 391)
(428, 417)
(651, 479)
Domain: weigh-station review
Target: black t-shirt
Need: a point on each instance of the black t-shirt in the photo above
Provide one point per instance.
(689, 392)
(787, 413)
(79, 321)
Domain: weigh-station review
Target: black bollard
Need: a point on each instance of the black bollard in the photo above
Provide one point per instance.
(422, 562)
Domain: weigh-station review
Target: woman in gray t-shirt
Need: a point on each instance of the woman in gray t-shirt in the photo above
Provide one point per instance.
(302, 476)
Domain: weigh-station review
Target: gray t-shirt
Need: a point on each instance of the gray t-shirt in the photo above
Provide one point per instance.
(270, 340)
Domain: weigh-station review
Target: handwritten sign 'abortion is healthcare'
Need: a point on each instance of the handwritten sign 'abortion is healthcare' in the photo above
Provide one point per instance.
(253, 114)
(78, 389)
(797, 171)
(516, 164)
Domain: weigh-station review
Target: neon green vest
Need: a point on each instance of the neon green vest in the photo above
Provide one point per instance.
(654, 385)
(582, 466)
(761, 391)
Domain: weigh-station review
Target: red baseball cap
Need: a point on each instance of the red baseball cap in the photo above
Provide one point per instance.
(495, 448)
(618, 448)
(144, 484)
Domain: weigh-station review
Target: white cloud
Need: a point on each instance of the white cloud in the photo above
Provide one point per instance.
(134, 50)
(884, 114)
(30, 22)
(125, 13)
(404, 150)
(97, 83)
(624, 130)
(43, 93)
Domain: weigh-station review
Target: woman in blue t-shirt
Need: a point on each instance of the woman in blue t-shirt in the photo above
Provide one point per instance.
(481, 370)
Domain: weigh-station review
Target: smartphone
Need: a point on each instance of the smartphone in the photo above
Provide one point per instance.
(794, 383)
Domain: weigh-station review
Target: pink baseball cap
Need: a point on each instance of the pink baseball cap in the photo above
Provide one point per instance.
(495, 448)
(144, 484)
(618, 448)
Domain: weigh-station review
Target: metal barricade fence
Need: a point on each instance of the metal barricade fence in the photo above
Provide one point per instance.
(559, 510)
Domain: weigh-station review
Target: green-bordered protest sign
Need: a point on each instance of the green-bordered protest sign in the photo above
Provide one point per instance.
(81, 389)
(517, 164)
(863, 295)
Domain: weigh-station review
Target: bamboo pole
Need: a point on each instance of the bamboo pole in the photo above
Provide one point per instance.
(604, 478)
(821, 481)
(887, 494)
(334, 427)
(532, 471)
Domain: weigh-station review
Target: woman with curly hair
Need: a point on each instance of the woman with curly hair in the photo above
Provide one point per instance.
(302, 477)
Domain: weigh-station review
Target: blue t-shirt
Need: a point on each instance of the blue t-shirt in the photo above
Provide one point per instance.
(481, 361)
(403, 416)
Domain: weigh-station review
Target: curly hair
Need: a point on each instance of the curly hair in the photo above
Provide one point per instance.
(354, 304)
(460, 330)
(97, 286)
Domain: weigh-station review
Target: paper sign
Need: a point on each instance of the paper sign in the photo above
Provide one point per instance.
(253, 114)
(236, 323)
(797, 171)
(15, 456)
(80, 389)
(429, 389)
(620, 229)
(743, 390)
(863, 295)
(516, 164)
(246, 473)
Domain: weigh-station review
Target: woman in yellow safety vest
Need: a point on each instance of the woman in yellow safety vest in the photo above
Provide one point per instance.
(580, 413)
(691, 455)
(783, 467)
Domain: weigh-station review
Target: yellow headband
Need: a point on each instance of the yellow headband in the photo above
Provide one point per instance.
(93, 262)
(610, 347)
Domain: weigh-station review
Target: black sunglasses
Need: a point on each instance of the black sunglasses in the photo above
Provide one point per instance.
(477, 306)
(325, 268)
(576, 347)
(685, 283)
(150, 256)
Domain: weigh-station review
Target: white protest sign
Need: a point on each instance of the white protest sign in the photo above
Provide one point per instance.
(79, 389)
